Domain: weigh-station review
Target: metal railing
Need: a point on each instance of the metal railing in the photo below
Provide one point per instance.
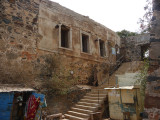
(118, 63)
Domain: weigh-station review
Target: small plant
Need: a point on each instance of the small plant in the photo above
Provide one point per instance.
(57, 79)
(60, 83)
(142, 78)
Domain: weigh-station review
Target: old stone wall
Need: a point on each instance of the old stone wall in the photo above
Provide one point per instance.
(52, 15)
(134, 47)
(25, 48)
(18, 38)
(152, 104)
(30, 51)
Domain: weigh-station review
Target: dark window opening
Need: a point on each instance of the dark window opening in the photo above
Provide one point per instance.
(64, 36)
(102, 48)
(85, 40)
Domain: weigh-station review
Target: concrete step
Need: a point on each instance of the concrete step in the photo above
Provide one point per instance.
(91, 101)
(71, 117)
(78, 114)
(81, 110)
(86, 107)
(88, 104)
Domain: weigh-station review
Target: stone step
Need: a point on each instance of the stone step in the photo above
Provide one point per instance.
(91, 101)
(88, 104)
(81, 110)
(104, 86)
(71, 117)
(78, 114)
(96, 95)
(98, 89)
(86, 107)
(94, 91)
(94, 98)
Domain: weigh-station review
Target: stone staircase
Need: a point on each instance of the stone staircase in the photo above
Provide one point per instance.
(93, 100)
(89, 104)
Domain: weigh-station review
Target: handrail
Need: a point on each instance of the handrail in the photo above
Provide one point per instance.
(118, 63)
(120, 58)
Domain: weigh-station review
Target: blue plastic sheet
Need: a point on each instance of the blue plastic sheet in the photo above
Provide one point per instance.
(6, 101)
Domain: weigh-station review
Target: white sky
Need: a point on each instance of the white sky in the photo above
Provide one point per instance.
(114, 14)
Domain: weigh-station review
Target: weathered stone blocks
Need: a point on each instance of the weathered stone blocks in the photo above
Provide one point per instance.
(23, 62)
(152, 105)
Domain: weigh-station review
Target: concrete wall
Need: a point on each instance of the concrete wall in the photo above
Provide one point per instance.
(127, 79)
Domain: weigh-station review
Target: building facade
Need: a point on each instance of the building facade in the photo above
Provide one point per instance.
(38, 36)
(48, 47)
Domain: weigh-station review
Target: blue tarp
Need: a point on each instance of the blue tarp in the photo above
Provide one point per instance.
(6, 101)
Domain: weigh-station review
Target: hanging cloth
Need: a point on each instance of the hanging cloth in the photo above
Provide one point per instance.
(42, 105)
(32, 106)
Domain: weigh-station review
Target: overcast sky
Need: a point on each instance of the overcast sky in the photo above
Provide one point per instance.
(114, 14)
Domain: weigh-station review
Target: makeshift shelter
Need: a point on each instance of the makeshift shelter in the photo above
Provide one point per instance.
(124, 103)
(14, 101)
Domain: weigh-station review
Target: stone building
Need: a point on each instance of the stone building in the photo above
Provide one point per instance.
(134, 47)
(33, 32)
(43, 44)
(81, 41)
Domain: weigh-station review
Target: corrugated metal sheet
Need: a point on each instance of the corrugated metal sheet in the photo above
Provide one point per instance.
(6, 101)
(124, 87)
(11, 89)
(14, 88)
